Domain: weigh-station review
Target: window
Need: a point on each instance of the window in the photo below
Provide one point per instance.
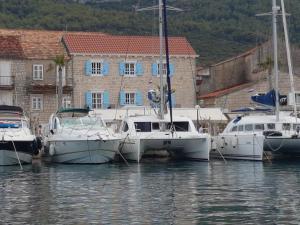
(179, 126)
(258, 127)
(97, 100)
(129, 98)
(249, 127)
(129, 69)
(155, 126)
(37, 103)
(125, 127)
(164, 68)
(37, 72)
(241, 128)
(97, 68)
(271, 126)
(66, 102)
(142, 126)
(297, 98)
(296, 126)
(286, 126)
(234, 129)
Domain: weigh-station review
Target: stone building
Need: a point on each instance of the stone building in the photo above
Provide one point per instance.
(11, 69)
(114, 71)
(36, 75)
(231, 83)
(101, 71)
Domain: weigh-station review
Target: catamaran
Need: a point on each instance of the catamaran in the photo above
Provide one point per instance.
(161, 131)
(248, 136)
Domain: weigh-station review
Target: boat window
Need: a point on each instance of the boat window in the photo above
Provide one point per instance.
(296, 126)
(142, 126)
(286, 126)
(125, 127)
(234, 129)
(258, 127)
(179, 126)
(240, 128)
(249, 127)
(155, 126)
(92, 122)
(271, 126)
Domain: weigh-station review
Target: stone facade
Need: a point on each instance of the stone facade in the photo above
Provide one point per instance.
(182, 81)
(241, 97)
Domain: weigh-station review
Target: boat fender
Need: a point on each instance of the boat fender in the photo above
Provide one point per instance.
(51, 149)
(234, 141)
(39, 143)
(222, 144)
(35, 149)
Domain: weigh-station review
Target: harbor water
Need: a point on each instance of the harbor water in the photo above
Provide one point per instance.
(153, 192)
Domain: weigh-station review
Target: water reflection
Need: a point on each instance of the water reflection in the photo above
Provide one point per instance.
(151, 193)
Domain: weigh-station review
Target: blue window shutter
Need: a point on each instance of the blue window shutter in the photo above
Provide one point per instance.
(106, 103)
(139, 69)
(105, 68)
(172, 69)
(173, 99)
(122, 98)
(88, 68)
(154, 69)
(88, 99)
(121, 69)
(139, 98)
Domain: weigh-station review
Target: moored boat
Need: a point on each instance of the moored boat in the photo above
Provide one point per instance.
(75, 136)
(17, 143)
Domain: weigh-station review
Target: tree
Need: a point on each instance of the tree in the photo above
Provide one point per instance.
(60, 62)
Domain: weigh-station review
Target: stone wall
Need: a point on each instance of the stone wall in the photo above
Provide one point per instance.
(183, 80)
(242, 98)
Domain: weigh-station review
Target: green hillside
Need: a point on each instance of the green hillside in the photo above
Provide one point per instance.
(217, 29)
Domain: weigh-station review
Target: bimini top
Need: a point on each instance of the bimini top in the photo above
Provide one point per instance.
(73, 110)
(10, 108)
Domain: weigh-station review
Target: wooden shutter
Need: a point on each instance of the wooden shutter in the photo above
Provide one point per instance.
(88, 68)
(138, 98)
(88, 99)
(106, 103)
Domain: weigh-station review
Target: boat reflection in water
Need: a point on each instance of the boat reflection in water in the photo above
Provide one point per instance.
(152, 193)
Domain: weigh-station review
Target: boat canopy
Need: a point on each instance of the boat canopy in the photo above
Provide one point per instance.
(73, 110)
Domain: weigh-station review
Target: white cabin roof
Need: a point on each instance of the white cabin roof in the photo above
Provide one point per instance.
(212, 114)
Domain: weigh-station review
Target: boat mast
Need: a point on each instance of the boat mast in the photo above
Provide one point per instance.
(275, 9)
(160, 72)
(289, 59)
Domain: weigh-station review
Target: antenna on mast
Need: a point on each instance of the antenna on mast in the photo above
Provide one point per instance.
(161, 45)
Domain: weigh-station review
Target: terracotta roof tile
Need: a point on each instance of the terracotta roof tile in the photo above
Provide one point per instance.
(108, 44)
(40, 44)
(225, 91)
(10, 47)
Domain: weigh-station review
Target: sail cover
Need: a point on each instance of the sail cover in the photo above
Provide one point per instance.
(269, 99)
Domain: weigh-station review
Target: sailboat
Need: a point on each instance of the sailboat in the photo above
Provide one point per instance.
(249, 136)
(287, 142)
(156, 132)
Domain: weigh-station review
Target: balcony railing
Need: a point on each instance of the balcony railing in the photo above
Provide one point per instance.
(6, 82)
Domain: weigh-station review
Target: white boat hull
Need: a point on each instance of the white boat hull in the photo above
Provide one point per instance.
(188, 148)
(82, 151)
(245, 146)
